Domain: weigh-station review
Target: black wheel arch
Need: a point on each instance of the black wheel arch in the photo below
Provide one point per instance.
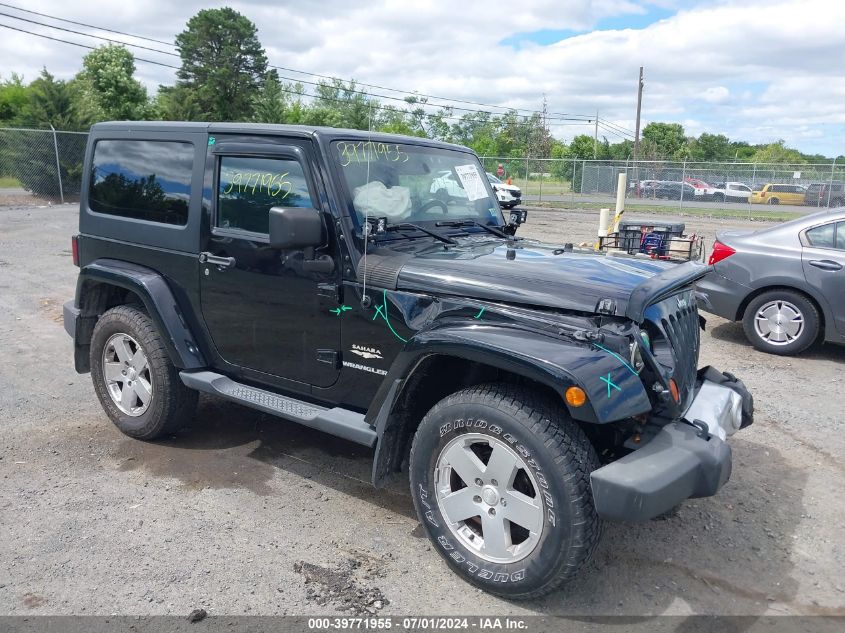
(105, 283)
(444, 362)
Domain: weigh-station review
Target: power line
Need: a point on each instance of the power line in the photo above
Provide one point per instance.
(90, 48)
(617, 127)
(90, 26)
(560, 116)
(98, 37)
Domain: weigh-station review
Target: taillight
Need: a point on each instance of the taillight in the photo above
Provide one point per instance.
(720, 252)
(74, 250)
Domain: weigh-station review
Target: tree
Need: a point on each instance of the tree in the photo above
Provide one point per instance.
(777, 153)
(711, 147)
(51, 103)
(270, 103)
(13, 99)
(664, 140)
(223, 63)
(107, 86)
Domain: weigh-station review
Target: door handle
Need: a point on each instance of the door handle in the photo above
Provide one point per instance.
(825, 264)
(223, 263)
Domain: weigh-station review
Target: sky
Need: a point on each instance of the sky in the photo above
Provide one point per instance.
(754, 70)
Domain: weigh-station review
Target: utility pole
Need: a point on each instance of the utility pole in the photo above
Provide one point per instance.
(596, 137)
(639, 109)
(637, 133)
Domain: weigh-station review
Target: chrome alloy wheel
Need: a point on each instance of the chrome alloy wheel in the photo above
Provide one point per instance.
(779, 322)
(127, 374)
(489, 498)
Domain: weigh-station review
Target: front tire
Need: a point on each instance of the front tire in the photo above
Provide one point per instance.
(500, 478)
(138, 386)
(781, 322)
(774, 201)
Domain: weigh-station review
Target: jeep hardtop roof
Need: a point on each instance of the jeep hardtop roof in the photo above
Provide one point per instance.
(323, 134)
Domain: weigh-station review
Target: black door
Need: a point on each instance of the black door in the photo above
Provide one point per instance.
(264, 313)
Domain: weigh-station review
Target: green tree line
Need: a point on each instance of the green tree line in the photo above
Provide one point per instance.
(224, 76)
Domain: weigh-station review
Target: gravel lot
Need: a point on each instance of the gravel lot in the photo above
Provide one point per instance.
(245, 514)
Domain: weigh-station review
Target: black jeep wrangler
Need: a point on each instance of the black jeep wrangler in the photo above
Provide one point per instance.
(531, 390)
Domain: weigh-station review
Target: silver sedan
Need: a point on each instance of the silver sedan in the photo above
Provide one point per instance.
(785, 283)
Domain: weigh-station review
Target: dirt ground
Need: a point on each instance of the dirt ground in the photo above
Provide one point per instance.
(246, 514)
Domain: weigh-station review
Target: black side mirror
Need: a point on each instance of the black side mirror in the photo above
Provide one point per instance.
(295, 227)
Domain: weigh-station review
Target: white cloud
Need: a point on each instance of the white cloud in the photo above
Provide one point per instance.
(752, 69)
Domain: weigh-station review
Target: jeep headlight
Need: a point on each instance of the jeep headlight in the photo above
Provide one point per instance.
(637, 361)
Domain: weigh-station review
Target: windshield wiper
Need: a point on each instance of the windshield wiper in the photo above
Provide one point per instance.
(408, 226)
(459, 223)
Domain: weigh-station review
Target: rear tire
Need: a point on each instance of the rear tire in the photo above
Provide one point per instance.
(781, 322)
(524, 531)
(136, 383)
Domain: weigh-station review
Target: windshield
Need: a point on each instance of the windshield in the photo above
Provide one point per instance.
(493, 178)
(412, 183)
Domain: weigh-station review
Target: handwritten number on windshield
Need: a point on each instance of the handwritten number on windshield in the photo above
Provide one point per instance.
(368, 151)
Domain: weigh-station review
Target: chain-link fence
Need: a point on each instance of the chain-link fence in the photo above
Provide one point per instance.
(48, 164)
(44, 163)
(673, 183)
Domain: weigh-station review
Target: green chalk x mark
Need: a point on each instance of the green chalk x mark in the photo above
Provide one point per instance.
(340, 310)
(381, 311)
(211, 140)
(610, 384)
(480, 312)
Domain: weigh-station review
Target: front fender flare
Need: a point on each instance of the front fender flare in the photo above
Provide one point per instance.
(553, 361)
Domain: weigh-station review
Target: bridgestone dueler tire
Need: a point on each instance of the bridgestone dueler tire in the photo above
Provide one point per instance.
(172, 403)
(561, 459)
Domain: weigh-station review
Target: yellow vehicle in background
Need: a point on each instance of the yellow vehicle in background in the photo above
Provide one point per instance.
(778, 194)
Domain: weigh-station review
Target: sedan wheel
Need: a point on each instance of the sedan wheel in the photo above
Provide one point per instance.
(781, 322)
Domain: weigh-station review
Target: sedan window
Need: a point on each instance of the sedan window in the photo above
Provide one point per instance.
(823, 236)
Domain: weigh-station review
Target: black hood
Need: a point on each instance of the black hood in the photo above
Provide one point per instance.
(531, 273)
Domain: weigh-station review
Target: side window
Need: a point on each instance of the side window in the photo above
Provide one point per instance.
(824, 236)
(840, 236)
(144, 180)
(249, 187)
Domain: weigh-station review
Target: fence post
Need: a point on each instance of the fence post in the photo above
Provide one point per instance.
(683, 180)
(830, 187)
(542, 167)
(58, 166)
(572, 181)
(526, 173)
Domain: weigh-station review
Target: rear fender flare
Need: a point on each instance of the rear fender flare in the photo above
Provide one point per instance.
(158, 299)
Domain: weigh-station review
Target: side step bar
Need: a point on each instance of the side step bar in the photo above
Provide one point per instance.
(336, 421)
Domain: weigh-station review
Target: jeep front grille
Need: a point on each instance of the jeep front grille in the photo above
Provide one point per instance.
(677, 320)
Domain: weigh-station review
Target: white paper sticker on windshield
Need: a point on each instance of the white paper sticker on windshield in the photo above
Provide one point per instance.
(471, 180)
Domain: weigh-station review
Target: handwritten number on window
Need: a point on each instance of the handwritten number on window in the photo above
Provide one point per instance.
(275, 185)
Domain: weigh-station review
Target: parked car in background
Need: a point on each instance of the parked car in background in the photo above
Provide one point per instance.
(731, 192)
(778, 194)
(825, 195)
(446, 188)
(508, 195)
(701, 189)
(785, 283)
(674, 191)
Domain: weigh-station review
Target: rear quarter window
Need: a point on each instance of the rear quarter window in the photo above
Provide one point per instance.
(142, 180)
(823, 236)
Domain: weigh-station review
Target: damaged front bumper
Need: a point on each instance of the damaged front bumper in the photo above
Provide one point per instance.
(686, 458)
